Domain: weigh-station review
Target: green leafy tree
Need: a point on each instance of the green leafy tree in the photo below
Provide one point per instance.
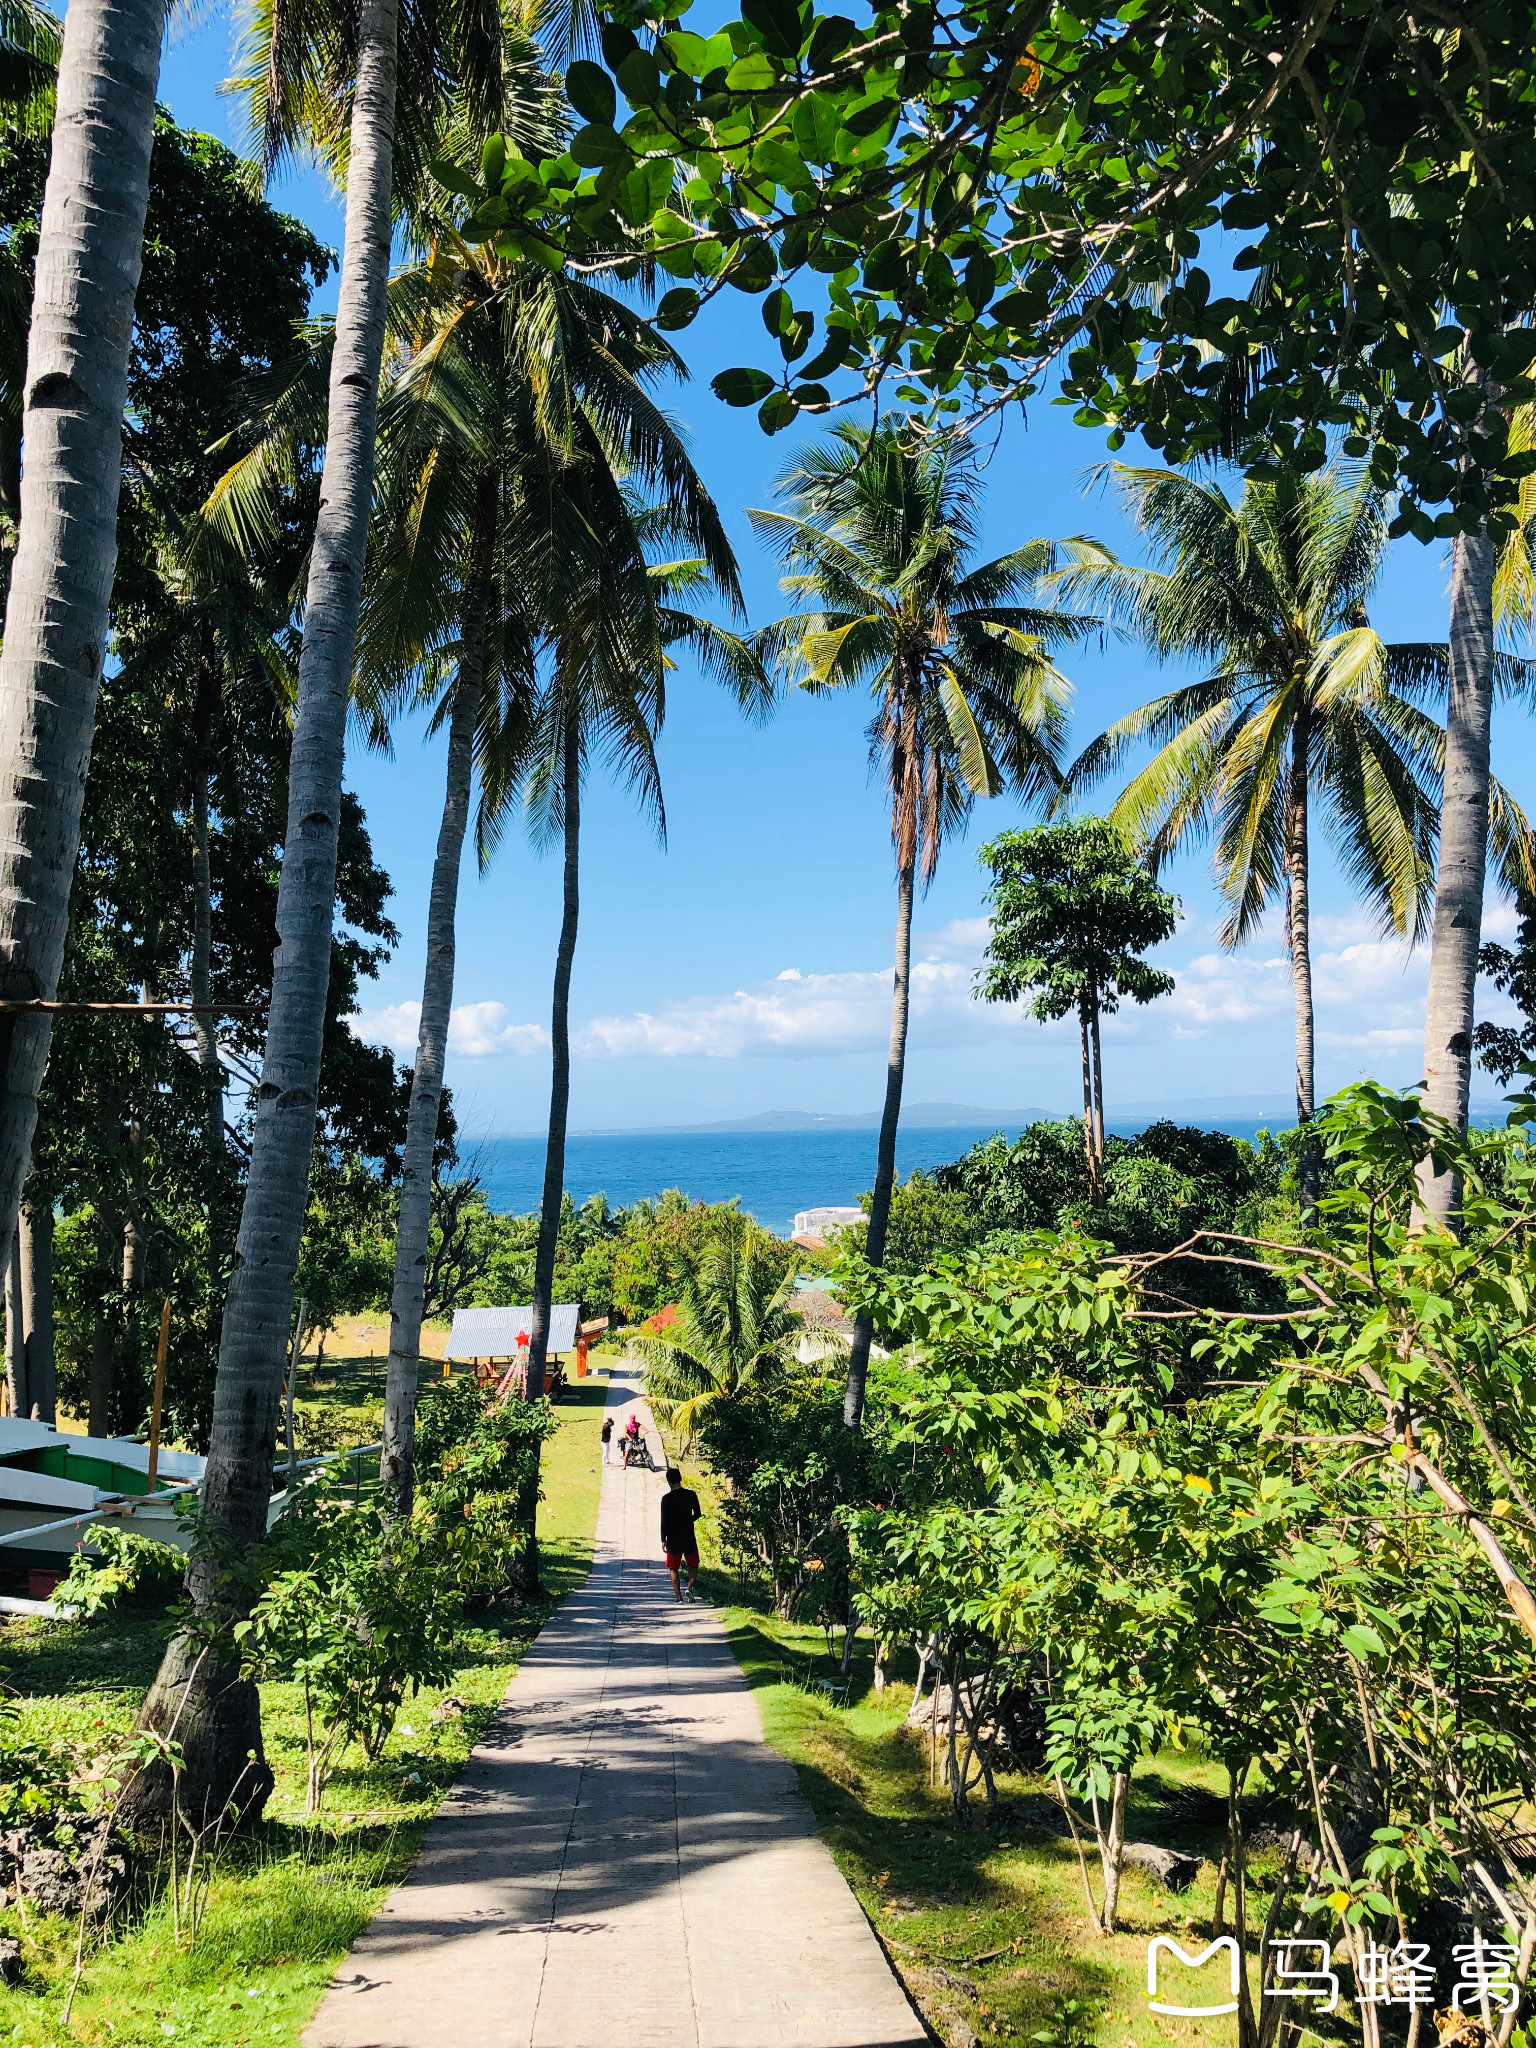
(1303, 704)
(1072, 912)
(734, 1325)
(927, 1219)
(878, 540)
(173, 888)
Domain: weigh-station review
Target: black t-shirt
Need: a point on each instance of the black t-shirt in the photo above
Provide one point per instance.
(679, 1511)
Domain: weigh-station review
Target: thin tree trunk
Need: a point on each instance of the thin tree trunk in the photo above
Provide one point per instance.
(1299, 934)
(109, 1243)
(1086, 1045)
(204, 1028)
(1112, 1851)
(1458, 925)
(133, 1278)
(1098, 1084)
(885, 1157)
(217, 1714)
(17, 1392)
(560, 1076)
(88, 258)
(559, 1108)
(37, 1303)
(397, 1468)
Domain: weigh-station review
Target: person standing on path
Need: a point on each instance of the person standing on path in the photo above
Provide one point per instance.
(680, 1510)
(607, 1439)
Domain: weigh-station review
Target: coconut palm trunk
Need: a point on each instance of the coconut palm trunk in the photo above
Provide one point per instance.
(1298, 912)
(204, 1028)
(1458, 923)
(217, 1713)
(885, 1157)
(88, 258)
(397, 1468)
(36, 1234)
(559, 1110)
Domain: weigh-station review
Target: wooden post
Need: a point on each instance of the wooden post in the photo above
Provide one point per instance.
(153, 1474)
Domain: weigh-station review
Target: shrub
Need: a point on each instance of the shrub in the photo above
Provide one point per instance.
(475, 1462)
(358, 1613)
(125, 1564)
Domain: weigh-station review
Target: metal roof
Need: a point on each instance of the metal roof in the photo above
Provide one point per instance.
(493, 1332)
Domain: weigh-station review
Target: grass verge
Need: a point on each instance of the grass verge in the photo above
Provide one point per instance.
(288, 1899)
(988, 1929)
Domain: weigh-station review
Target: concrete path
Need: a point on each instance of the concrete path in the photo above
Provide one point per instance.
(624, 1863)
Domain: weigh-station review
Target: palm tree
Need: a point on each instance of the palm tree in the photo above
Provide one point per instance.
(325, 79)
(733, 1328)
(1490, 585)
(609, 614)
(1303, 704)
(478, 425)
(966, 698)
(75, 386)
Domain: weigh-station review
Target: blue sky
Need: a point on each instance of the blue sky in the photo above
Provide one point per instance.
(746, 967)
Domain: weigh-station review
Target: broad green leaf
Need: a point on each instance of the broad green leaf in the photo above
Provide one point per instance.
(677, 309)
(452, 179)
(815, 125)
(741, 387)
(777, 411)
(590, 91)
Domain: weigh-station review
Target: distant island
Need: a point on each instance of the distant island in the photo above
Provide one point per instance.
(920, 1116)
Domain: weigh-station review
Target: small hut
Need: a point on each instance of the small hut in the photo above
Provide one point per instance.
(492, 1337)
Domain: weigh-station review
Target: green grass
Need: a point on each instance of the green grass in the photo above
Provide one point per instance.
(288, 1899)
(987, 1929)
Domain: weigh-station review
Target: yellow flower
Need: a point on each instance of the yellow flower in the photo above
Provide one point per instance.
(1338, 1901)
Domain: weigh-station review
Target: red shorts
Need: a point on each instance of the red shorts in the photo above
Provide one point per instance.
(676, 1559)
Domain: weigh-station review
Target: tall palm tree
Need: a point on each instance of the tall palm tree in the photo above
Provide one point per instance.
(1490, 585)
(74, 389)
(324, 78)
(733, 1328)
(479, 423)
(881, 529)
(609, 614)
(1303, 705)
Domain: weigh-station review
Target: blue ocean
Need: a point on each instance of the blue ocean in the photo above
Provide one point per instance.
(771, 1173)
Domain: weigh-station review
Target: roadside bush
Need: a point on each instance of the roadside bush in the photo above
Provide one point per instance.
(791, 1471)
(474, 1462)
(358, 1613)
(125, 1565)
(35, 1779)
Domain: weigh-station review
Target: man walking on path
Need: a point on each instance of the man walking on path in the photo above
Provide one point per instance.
(679, 1511)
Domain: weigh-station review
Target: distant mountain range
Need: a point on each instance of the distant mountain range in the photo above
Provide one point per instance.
(1219, 1110)
(919, 1116)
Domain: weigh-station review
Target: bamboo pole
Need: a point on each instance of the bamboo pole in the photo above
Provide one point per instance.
(159, 1396)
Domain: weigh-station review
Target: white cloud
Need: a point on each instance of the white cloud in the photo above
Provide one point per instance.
(798, 1015)
(1368, 992)
(476, 1031)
